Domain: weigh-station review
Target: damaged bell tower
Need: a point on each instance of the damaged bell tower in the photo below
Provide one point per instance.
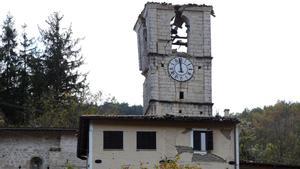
(174, 45)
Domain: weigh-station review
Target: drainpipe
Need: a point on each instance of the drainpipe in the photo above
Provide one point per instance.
(237, 147)
(90, 156)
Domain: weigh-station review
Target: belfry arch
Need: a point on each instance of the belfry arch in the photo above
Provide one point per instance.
(179, 31)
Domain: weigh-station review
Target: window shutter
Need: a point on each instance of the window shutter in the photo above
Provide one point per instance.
(209, 140)
(146, 140)
(112, 140)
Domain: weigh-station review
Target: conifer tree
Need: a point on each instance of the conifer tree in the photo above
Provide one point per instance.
(27, 80)
(38, 83)
(62, 59)
(26, 56)
(9, 102)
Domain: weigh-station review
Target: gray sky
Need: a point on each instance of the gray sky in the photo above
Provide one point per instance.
(255, 45)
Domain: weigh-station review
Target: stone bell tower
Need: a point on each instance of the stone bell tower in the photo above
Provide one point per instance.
(174, 45)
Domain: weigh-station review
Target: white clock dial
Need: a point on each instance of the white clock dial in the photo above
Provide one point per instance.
(181, 69)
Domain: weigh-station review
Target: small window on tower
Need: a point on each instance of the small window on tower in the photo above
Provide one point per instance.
(181, 95)
(36, 163)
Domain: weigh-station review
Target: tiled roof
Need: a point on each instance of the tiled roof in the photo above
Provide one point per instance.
(168, 117)
(170, 4)
(42, 129)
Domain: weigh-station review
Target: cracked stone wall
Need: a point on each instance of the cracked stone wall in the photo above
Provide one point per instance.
(55, 149)
(155, 52)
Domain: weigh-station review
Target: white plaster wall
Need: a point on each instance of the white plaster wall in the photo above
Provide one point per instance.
(167, 138)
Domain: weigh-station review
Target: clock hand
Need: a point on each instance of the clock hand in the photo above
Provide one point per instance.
(180, 65)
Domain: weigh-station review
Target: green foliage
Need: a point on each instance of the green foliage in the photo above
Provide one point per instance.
(69, 166)
(67, 114)
(99, 103)
(167, 164)
(120, 108)
(174, 164)
(56, 114)
(271, 134)
(62, 58)
(39, 84)
(10, 72)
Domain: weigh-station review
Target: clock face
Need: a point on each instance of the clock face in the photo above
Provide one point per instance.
(181, 69)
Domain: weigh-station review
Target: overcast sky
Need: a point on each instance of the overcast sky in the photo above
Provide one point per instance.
(255, 45)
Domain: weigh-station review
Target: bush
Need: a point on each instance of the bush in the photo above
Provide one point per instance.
(174, 164)
(167, 164)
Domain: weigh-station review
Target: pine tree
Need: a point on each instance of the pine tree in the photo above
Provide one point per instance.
(38, 83)
(9, 102)
(26, 55)
(62, 59)
(36, 87)
(27, 72)
(60, 85)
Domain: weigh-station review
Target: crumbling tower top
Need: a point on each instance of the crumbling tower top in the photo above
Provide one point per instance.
(174, 45)
(158, 30)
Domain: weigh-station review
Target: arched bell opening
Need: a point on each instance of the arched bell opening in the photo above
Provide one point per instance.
(179, 31)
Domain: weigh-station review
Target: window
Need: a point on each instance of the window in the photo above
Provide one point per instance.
(181, 95)
(202, 140)
(113, 140)
(145, 140)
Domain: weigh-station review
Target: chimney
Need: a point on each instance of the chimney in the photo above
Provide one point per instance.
(226, 112)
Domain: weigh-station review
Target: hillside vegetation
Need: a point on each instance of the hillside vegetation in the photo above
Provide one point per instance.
(271, 134)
